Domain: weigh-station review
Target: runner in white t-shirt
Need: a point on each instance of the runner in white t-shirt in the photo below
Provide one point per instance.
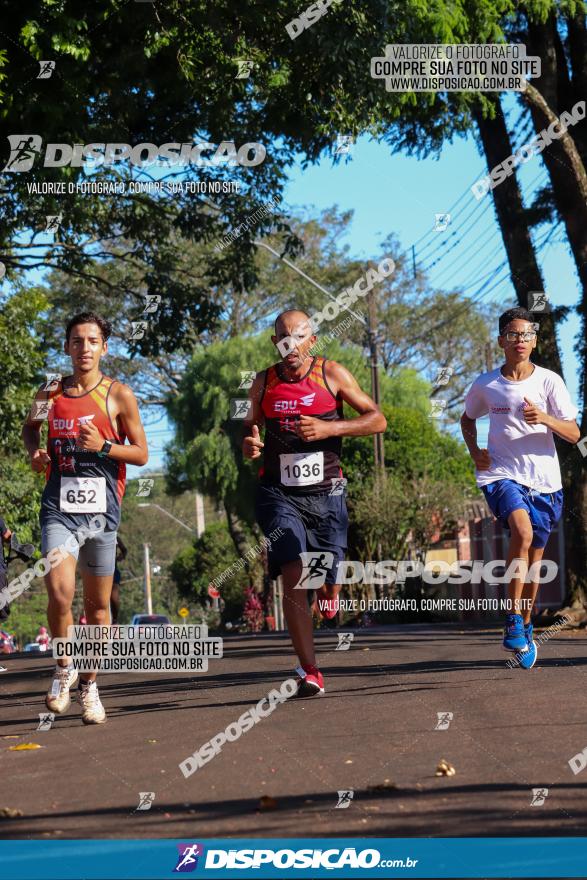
(519, 472)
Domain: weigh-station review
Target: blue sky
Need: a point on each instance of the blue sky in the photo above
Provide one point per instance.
(401, 194)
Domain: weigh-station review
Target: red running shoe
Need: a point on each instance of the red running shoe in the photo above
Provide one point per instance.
(311, 681)
(327, 605)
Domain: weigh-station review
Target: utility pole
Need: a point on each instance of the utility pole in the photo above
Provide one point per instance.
(277, 589)
(148, 600)
(375, 390)
(376, 395)
(200, 520)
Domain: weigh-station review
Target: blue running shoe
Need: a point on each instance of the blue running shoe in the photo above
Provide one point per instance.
(514, 637)
(527, 659)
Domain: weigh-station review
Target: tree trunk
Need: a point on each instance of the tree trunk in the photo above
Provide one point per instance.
(239, 538)
(573, 88)
(523, 264)
(566, 170)
(511, 216)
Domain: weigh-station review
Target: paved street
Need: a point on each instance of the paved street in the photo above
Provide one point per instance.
(373, 732)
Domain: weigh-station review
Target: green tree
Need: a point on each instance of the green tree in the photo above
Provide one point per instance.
(208, 557)
(21, 365)
(429, 476)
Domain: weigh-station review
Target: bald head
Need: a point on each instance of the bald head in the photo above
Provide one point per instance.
(294, 337)
(291, 318)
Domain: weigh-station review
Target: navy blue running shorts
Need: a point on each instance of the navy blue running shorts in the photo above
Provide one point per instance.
(543, 508)
(309, 522)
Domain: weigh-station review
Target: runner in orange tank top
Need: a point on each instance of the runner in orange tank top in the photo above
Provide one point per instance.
(90, 417)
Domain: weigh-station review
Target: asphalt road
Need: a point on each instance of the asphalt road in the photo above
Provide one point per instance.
(372, 732)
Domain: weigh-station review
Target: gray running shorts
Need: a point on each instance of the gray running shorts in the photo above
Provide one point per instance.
(96, 555)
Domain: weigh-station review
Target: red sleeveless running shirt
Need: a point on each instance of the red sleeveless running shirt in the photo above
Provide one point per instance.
(80, 484)
(296, 466)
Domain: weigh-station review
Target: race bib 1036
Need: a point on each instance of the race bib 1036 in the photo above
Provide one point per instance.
(301, 469)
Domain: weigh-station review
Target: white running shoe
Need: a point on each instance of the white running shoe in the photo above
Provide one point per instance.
(92, 709)
(58, 699)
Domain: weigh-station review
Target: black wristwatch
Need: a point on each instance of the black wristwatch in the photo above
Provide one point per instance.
(105, 449)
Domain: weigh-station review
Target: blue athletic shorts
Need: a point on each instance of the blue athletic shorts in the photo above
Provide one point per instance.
(309, 522)
(544, 509)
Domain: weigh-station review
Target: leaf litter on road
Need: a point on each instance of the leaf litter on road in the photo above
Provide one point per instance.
(445, 769)
(10, 813)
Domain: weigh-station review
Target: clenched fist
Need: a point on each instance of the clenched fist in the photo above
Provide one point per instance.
(309, 428)
(533, 415)
(481, 459)
(39, 460)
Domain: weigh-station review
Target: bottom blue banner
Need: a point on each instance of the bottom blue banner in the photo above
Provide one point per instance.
(295, 857)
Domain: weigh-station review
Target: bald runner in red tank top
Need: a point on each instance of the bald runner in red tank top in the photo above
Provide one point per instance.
(297, 466)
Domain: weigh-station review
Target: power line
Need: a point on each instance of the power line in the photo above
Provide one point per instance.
(462, 221)
(479, 294)
(442, 242)
(491, 228)
(450, 211)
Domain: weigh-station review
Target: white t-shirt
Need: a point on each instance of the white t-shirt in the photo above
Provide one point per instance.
(519, 451)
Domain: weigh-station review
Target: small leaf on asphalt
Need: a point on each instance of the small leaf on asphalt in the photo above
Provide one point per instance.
(23, 747)
(349, 761)
(445, 769)
(9, 813)
(267, 803)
